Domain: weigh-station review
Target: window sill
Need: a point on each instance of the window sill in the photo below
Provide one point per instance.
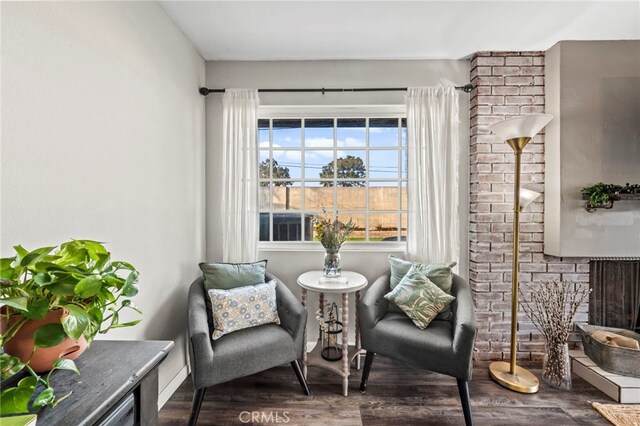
(391, 246)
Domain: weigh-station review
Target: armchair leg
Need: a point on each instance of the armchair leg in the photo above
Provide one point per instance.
(198, 396)
(368, 361)
(463, 388)
(301, 379)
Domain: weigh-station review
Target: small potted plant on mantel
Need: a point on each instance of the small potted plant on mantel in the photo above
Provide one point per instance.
(54, 302)
(602, 195)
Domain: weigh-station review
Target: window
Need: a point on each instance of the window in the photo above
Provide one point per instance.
(349, 163)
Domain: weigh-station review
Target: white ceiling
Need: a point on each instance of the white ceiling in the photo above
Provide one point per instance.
(299, 30)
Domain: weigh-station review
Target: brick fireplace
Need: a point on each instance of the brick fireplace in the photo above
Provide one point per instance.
(508, 84)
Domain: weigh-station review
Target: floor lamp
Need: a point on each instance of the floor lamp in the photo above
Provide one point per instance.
(517, 132)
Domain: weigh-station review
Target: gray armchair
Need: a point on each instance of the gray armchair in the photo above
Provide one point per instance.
(444, 346)
(242, 352)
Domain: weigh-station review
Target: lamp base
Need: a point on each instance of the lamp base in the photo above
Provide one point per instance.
(523, 381)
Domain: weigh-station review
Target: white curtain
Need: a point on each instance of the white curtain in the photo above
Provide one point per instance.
(432, 131)
(239, 201)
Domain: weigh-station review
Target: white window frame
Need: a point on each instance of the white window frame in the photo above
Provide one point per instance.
(334, 111)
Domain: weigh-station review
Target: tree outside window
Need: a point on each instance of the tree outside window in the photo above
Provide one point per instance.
(279, 172)
(348, 167)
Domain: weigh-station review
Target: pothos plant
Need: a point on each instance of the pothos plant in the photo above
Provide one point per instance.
(80, 278)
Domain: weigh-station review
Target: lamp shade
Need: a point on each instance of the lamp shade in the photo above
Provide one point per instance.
(527, 196)
(517, 127)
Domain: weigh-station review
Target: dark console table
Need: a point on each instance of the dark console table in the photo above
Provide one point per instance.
(117, 385)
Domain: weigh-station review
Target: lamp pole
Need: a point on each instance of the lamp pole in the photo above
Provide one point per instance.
(517, 132)
(517, 145)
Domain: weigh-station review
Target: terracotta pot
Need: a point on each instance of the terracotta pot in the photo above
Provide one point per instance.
(21, 344)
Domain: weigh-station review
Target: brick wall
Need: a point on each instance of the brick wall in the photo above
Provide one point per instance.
(508, 84)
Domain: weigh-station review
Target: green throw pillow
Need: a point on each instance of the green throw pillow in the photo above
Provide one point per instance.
(243, 307)
(439, 273)
(419, 298)
(232, 275)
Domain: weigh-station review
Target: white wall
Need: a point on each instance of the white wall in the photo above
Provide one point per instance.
(103, 138)
(593, 91)
(287, 265)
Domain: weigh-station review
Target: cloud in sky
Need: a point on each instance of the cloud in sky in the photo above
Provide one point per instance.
(288, 155)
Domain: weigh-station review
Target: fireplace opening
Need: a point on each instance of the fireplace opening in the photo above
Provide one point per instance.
(615, 293)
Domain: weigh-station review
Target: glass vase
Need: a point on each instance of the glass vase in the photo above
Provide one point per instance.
(556, 367)
(332, 263)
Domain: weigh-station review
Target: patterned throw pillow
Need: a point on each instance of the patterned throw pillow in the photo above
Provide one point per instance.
(243, 307)
(232, 275)
(439, 273)
(419, 298)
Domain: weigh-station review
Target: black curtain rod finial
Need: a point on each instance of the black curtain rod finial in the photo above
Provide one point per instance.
(467, 88)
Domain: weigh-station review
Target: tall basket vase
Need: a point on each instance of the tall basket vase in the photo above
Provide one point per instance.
(332, 263)
(556, 367)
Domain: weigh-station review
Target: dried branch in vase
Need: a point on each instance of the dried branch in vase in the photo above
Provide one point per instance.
(327, 323)
(551, 307)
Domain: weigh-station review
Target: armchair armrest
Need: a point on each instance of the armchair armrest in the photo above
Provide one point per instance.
(373, 306)
(464, 320)
(293, 316)
(201, 352)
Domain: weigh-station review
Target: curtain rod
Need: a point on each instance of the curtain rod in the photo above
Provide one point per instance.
(204, 91)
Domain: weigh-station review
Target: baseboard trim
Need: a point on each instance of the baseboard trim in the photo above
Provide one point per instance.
(173, 385)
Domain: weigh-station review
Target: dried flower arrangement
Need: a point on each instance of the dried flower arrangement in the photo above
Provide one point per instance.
(332, 233)
(326, 323)
(551, 307)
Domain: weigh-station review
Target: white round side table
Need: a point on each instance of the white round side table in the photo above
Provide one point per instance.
(313, 281)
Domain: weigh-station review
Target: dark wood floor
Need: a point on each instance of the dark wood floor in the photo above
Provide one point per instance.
(396, 395)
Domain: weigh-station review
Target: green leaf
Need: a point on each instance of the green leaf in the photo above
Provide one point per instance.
(126, 324)
(9, 365)
(64, 288)
(95, 249)
(29, 381)
(72, 252)
(19, 303)
(119, 264)
(6, 271)
(103, 262)
(88, 286)
(95, 313)
(75, 322)
(114, 281)
(106, 294)
(50, 266)
(49, 335)
(35, 256)
(42, 279)
(130, 289)
(37, 309)
(16, 400)
(46, 397)
(65, 364)
(21, 251)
